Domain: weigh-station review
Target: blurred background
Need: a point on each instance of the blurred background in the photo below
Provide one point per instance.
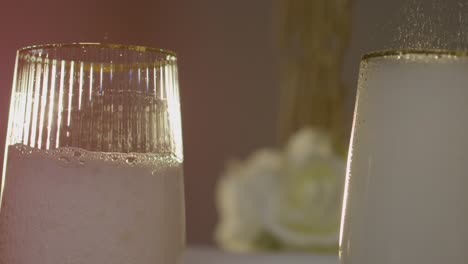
(229, 57)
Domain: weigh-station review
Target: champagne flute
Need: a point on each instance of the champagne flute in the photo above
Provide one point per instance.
(405, 195)
(93, 163)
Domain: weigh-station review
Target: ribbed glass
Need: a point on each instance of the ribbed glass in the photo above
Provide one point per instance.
(97, 97)
(93, 169)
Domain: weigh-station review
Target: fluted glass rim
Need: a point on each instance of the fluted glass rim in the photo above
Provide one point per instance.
(110, 46)
(62, 93)
(396, 52)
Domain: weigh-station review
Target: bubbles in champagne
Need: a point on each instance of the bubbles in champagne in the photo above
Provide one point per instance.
(64, 159)
(428, 24)
(75, 156)
(130, 160)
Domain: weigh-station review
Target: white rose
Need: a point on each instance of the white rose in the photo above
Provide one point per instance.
(242, 193)
(305, 213)
(308, 143)
(294, 198)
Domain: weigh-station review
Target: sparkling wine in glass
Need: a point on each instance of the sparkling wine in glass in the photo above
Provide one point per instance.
(93, 167)
(405, 200)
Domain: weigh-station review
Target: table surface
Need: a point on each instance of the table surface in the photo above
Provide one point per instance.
(206, 255)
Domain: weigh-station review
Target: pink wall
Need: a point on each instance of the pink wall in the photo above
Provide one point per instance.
(227, 67)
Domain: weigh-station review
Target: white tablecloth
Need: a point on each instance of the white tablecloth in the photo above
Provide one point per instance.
(205, 255)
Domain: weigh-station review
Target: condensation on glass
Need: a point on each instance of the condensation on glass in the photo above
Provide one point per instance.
(97, 97)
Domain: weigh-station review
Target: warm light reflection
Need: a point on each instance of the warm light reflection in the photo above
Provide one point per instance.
(154, 81)
(111, 71)
(147, 79)
(45, 84)
(348, 175)
(19, 117)
(171, 85)
(9, 129)
(35, 102)
(60, 103)
(16, 136)
(24, 112)
(161, 83)
(51, 102)
(91, 73)
(45, 103)
(80, 85)
(100, 79)
(22, 105)
(70, 92)
(139, 75)
(28, 98)
(178, 129)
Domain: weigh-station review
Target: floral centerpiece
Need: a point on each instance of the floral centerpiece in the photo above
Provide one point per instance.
(289, 198)
(283, 200)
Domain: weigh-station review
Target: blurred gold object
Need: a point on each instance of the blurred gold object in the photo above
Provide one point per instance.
(313, 39)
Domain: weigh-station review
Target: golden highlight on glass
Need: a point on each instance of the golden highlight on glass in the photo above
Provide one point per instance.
(93, 162)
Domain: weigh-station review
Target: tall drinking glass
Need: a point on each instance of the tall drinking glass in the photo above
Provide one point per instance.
(405, 199)
(93, 163)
